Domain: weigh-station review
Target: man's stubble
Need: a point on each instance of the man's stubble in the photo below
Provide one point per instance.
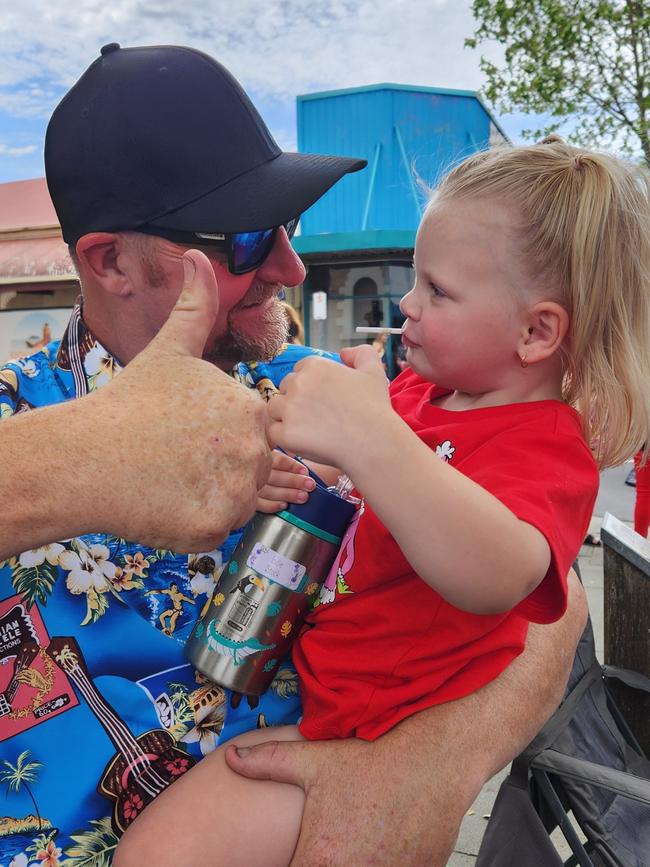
(260, 343)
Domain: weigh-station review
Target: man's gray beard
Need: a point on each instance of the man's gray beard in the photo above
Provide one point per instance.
(271, 331)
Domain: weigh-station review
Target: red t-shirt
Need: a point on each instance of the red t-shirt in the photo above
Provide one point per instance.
(382, 644)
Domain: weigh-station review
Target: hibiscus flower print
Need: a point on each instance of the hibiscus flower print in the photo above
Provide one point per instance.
(136, 565)
(132, 806)
(37, 556)
(100, 366)
(123, 580)
(209, 722)
(90, 572)
(177, 766)
(49, 857)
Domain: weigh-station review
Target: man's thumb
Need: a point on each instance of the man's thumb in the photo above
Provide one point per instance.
(271, 760)
(194, 314)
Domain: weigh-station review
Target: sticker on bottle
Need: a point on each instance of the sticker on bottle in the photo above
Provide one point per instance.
(269, 563)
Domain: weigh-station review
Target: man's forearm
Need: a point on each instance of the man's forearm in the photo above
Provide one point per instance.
(200, 453)
(45, 492)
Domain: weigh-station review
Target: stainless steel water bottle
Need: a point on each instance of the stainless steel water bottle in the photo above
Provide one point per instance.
(264, 591)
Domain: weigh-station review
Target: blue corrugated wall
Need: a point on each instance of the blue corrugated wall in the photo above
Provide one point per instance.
(405, 133)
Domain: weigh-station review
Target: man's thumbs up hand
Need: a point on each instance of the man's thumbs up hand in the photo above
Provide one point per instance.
(182, 446)
(195, 312)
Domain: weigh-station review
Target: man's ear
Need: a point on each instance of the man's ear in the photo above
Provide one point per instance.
(546, 326)
(100, 258)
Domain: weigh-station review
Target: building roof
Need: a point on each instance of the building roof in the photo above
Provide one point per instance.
(26, 205)
(411, 88)
(33, 254)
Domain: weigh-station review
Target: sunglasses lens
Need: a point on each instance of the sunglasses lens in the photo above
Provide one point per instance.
(250, 249)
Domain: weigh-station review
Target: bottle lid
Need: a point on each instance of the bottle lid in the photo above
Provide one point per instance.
(324, 510)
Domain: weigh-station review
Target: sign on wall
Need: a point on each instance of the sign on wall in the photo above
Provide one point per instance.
(25, 331)
(319, 305)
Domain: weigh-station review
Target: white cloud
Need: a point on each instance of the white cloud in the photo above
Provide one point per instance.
(10, 151)
(277, 48)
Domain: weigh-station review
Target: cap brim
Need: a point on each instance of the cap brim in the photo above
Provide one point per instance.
(269, 195)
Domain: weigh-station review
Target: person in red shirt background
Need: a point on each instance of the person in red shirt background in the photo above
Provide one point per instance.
(642, 498)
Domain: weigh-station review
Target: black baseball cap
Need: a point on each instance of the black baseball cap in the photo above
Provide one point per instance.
(163, 136)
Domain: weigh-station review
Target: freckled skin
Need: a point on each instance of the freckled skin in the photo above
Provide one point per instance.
(213, 444)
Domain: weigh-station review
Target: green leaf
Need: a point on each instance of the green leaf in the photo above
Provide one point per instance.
(35, 582)
(94, 846)
(161, 553)
(585, 62)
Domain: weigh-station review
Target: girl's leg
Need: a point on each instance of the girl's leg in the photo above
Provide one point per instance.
(213, 816)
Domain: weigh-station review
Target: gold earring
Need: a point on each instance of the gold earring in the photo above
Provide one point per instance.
(523, 361)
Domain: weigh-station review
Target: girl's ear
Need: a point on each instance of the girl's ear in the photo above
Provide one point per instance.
(547, 324)
(99, 256)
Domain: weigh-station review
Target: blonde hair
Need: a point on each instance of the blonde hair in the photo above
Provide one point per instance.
(583, 219)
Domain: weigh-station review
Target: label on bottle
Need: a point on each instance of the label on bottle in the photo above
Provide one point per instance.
(269, 563)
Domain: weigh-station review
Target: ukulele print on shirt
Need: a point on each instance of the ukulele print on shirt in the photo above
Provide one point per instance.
(144, 765)
(335, 581)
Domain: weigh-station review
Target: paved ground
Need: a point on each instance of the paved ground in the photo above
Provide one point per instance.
(615, 497)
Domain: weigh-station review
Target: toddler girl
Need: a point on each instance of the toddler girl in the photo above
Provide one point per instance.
(527, 341)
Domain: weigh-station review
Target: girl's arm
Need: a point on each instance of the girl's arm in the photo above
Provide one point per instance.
(457, 536)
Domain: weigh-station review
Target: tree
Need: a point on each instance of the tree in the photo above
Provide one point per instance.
(584, 61)
(20, 774)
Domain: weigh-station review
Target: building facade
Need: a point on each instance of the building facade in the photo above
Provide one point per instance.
(357, 241)
(38, 283)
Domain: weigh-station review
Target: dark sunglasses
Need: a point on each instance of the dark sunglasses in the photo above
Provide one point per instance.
(246, 251)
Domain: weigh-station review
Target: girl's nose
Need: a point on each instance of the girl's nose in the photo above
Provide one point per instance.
(283, 264)
(408, 306)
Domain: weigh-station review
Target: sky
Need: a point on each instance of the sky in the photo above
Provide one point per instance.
(276, 49)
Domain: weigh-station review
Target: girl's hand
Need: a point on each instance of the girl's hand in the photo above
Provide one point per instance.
(328, 411)
(288, 482)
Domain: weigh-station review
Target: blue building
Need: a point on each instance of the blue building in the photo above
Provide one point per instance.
(357, 241)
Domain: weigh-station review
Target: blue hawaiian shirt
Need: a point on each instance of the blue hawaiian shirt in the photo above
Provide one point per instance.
(99, 709)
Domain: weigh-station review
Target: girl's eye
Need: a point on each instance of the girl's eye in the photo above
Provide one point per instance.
(436, 291)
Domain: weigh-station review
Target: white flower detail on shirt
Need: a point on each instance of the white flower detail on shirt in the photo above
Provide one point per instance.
(28, 367)
(99, 365)
(37, 556)
(88, 569)
(90, 572)
(445, 451)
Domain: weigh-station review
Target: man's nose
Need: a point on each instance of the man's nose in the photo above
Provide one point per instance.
(283, 264)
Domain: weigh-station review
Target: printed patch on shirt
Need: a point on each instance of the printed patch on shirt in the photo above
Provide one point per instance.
(445, 450)
(32, 687)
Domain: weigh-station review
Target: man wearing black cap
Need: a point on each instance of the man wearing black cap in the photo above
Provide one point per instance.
(154, 152)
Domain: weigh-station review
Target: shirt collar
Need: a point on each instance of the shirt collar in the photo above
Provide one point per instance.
(80, 352)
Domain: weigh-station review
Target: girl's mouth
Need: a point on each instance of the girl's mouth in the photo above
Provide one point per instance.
(409, 344)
